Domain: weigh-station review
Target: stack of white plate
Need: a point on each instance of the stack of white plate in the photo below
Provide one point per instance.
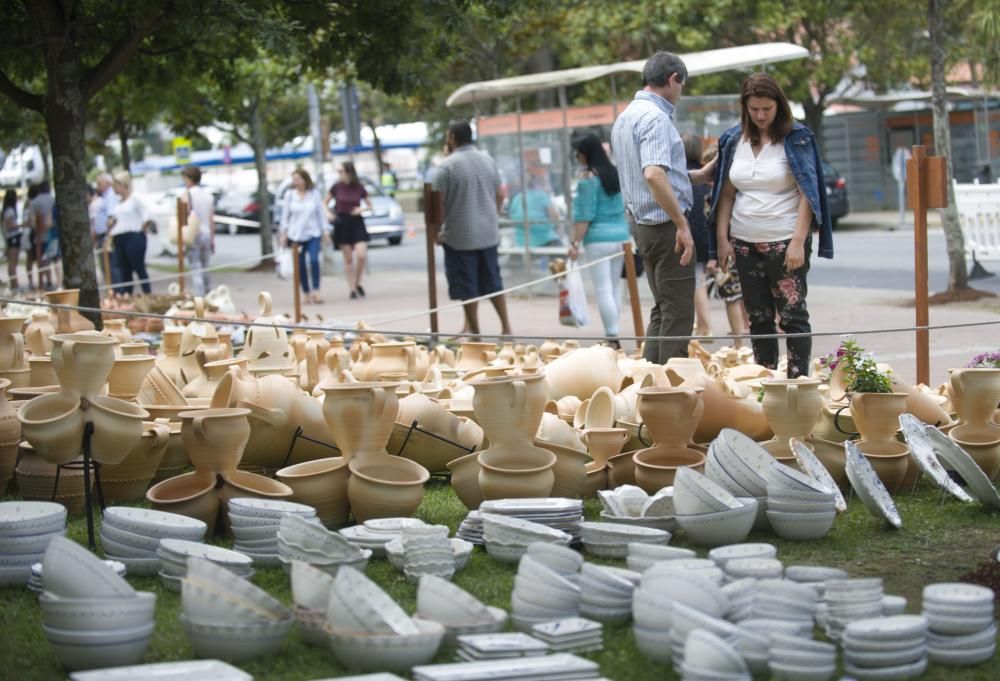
(781, 599)
(174, 553)
(36, 582)
(476, 647)
(893, 605)
(186, 670)
(90, 615)
(815, 577)
(507, 538)
(684, 620)
(132, 535)
(461, 551)
(753, 568)
(850, 599)
(26, 527)
(723, 554)
(459, 611)
(229, 618)
(798, 506)
(375, 534)
(611, 540)
(607, 592)
(962, 628)
(741, 594)
(541, 595)
(427, 551)
(311, 592)
(471, 528)
(571, 635)
(641, 557)
(630, 505)
(700, 567)
(563, 560)
(886, 647)
(707, 656)
(310, 542)
(794, 658)
(560, 667)
(560, 514)
(740, 465)
(255, 523)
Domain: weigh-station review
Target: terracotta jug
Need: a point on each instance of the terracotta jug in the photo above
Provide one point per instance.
(12, 354)
(670, 415)
(321, 484)
(465, 480)
(360, 417)
(10, 437)
(582, 372)
(214, 438)
(127, 375)
(168, 357)
(68, 321)
(978, 392)
(337, 348)
(791, 407)
(191, 494)
(472, 355)
(36, 481)
(40, 371)
(128, 479)
(297, 342)
(115, 328)
(549, 349)
(237, 384)
(38, 333)
(604, 443)
(439, 436)
(385, 487)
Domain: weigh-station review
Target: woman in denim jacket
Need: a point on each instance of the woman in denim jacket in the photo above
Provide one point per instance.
(768, 195)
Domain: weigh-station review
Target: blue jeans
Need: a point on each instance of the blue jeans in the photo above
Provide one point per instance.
(130, 256)
(310, 248)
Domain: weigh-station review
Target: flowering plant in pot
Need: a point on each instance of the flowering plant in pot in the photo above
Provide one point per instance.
(986, 360)
(852, 370)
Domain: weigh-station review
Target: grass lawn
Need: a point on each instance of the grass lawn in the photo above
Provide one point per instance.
(938, 542)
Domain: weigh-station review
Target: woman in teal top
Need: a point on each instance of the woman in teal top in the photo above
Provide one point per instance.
(539, 210)
(599, 227)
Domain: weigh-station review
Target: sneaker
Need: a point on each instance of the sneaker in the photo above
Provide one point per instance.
(354, 295)
(361, 291)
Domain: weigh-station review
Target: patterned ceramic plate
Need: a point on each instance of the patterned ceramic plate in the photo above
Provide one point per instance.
(923, 452)
(871, 490)
(959, 459)
(814, 467)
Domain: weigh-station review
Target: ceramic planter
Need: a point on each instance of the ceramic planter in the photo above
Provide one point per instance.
(569, 471)
(977, 392)
(890, 459)
(791, 407)
(53, 424)
(582, 372)
(127, 375)
(509, 475)
(876, 415)
(117, 427)
(68, 321)
(36, 481)
(191, 494)
(214, 438)
(38, 334)
(129, 479)
(10, 438)
(655, 468)
(984, 450)
(360, 417)
(321, 484)
(604, 443)
(388, 487)
(82, 362)
(465, 480)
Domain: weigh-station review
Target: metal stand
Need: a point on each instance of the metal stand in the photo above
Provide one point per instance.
(87, 464)
(414, 427)
(298, 434)
(836, 423)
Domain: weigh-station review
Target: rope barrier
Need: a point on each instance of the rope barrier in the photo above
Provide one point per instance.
(173, 276)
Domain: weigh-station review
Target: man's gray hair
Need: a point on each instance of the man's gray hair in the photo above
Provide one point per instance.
(660, 67)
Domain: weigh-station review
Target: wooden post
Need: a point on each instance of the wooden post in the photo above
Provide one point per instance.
(106, 257)
(633, 290)
(297, 292)
(433, 217)
(925, 181)
(181, 222)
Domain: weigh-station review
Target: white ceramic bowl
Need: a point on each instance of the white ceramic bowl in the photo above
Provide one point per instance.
(255, 532)
(268, 508)
(705, 650)
(152, 523)
(119, 550)
(795, 672)
(139, 541)
(369, 604)
(98, 649)
(723, 554)
(236, 642)
(695, 493)
(201, 603)
(801, 526)
(220, 580)
(21, 518)
(543, 595)
(561, 559)
(720, 528)
(653, 643)
(775, 504)
(97, 614)
(372, 652)
(498, 618)
(441, 601)
(140, 567)
(71, 571)
(27, 544)
(312, 626)
(310, 586)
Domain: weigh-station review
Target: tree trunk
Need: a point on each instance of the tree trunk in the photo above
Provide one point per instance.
(958, 274)
(122, 126)
(814, 117)
(377, 146)
(65, 118)
(263, 197)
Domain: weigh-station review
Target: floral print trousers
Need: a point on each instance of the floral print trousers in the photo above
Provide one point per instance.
(768, 288)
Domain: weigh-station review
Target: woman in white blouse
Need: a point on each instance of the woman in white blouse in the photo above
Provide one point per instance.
(304, 222)
(129, 222)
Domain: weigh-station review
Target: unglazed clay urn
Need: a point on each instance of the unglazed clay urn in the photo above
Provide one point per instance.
(791, 407)
(438, 436)
(128, 480)
(656, 469)
(385, 358)
(191, 494)
(983, 446)
(175, 459)
(204, 384)
(10, 437)
(725, 410)
(604, 443)
(473, 355)
(38, 334)
(82, 361)
(360, 417)
(214, 438)
(876, 415)
(68, 321)
(670, 415)
(385, 487)
(127, 374)
(977, 392)
(12, 343)
(321, 484)
(597, 479)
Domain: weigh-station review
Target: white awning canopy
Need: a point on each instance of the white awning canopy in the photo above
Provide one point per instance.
(888, 101)
(698, 63)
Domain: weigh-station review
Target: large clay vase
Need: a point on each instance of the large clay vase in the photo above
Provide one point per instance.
(38, 334)
(53, 424)
(724, 410)
(978, 392)
(582, 372)
(670, 415)
(168, 357)
(68, 321)
(465, 480)
(791, 407)
(386, 487)
(656, 468)
(473, 355)
(115, 328)
(10, 438)
(876, 416)
(360, 417)
(36, 481)
(240, 484)
(82, 361)
(127, 375)
(214, 438)
(129, 479)
(570, 470)
(321, 484)
(191, 494)
(604, 443)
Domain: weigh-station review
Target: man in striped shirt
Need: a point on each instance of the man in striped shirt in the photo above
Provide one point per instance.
(656, 189)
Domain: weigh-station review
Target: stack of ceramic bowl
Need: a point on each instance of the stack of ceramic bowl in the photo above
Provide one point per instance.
(559, 514)
(427, 551)
(708, 513)
(310, 542)
(630, 505)
(781, 599)
(174, 554)
(607, 592)
(541, 595)
(740, 465)
(885, 647)
(457, 610)
(698, 567)
(26, 527)
(893, 605)
(507, 538)
(742, 595)
(369, 632)
(471, 528)
(132, 535)
(794, 658)
(90, 615)
(815, 577)
(311, 593)
(723, 554)
(375, 534)
(254, 523)
(461, 551)
(186, 670)
(641, 557)
(684, 620)
(36, 582)
(850, 599)
(962, 628)
(229, 618)
(611, 540)
(709, 656)
(798, 506)
(478, 647)
(561, 559)
(559, 666)
(571, 635)
(754, 568)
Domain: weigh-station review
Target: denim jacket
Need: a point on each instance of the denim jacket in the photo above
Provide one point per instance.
(803, 158)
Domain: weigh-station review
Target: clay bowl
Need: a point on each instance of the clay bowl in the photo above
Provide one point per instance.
(597, 479)
(129, 479)
(321, 484)
(53, 424)
(192, 494)
(117, 428)
(570, 470)
(890, 461)
(127, 375)
(385, 487)
(656, 468)
(514, 475)
(242, 484)
(465, 480)
(15, 393)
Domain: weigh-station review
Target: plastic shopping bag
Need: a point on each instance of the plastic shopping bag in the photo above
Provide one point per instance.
(284, 263)
(572, 298)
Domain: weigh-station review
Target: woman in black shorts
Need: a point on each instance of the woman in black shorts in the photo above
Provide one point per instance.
(12, 235)
(349, 232)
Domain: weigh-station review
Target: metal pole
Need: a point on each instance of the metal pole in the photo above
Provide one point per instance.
(316, 130)
(566, 180)
(181, 222)
(633, 290)
(916, 178)
(295, 283)
(433, 215)
(524, 195)
(614, 96)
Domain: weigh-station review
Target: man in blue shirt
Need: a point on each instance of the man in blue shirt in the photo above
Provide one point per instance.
(656, 191)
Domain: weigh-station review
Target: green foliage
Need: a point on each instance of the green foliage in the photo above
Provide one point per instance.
(861, 372)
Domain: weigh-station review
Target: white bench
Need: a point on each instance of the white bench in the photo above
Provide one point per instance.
(979, 214)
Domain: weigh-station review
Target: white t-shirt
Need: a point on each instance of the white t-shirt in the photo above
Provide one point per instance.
(202, 205)
(767, 196)
(130, 215)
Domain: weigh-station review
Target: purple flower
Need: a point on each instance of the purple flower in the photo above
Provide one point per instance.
(985, 360)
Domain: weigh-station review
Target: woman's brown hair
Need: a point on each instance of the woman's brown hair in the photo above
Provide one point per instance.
(763, 85)
(304, 174)
(352, 174)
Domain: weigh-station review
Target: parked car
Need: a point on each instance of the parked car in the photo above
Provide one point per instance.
(836, 193)
(240, 203)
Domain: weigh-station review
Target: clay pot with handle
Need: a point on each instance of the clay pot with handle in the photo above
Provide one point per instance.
(115, 328)
(671, 415)
(38, 334)
(53, 424)
(68, 321)
(12, 355)
(473, 355)
(168, 357)
(360, 417)
(976, 394)
(214, 438)
(792, 407)
(82, 362)
(128, 479)
(10, 437)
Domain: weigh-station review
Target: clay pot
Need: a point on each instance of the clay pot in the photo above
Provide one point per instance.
(158, 390)
(82, 362)
(621, 469)
(168, 357)
(670, 415)
(175, 459)
(554, 429)
(832, 456)
(655, 468)
(507, 353)
(791, 407)
(38, 334)
(515, 475)
(191, 494)
(236, 484)
(321, 484)
(978, 392)
(510, 408)
(68, 321)
(604, 443)
(214, 438)
(115, 328)
(638, 438)
(53, 424)
(297, 342)
(983, 448)
(383, 358)
(570, 470)
(10, 437)
(549, 349)
(127, 375)
(135, 348)
(679, 369)
(236, 385)
(473, 355)
(41, 373)
(597, 479)
(117, 427)
(191, 338)
(272, 430)
(386, 487)
(601, 410)
(465, 480)
(890, 460)
(876, 415)
(922, 405)
(129, 479)
(360, 417)
(582, 372)
(226, 341)
(312, 367)
(36, 481)
(205, 384)
(12, 343)
(723, 410)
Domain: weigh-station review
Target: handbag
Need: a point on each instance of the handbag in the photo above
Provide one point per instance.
(640, 269)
